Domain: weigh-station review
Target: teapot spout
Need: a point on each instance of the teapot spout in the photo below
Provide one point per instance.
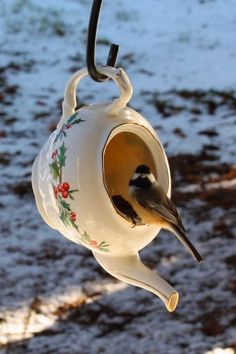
(131, 270)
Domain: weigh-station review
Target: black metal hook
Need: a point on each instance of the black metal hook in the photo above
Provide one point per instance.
(91, 44)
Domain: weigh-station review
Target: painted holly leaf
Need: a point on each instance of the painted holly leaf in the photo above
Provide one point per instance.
(103, 244)
(57, 137)
(77, 121)
(86, 236)
(71, 196)
(63, 217)
(73, 120)
(74, 225)
(67, 125)
(65, 205)
(62, 155)
(54, 170)
(104, 249)
(70, 120)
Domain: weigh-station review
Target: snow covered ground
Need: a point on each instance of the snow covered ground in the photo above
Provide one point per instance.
(181, 58)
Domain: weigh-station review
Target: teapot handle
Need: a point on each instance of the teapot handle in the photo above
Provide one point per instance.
(118, 75)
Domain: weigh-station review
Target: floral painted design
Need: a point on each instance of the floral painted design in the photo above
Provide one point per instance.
(74, 119)
(63, 193)
(102, 246)
(62, 190)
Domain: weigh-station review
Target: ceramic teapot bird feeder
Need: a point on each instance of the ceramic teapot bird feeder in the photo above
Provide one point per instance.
(80, 180)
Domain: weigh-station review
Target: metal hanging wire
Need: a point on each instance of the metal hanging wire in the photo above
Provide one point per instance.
(91, 45)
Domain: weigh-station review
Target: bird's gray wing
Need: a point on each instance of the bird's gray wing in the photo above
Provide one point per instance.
(172, 208)
(157, 202)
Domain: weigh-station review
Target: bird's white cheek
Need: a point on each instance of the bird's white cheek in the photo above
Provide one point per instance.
(131, 190)
(135, 176)
(151, 178)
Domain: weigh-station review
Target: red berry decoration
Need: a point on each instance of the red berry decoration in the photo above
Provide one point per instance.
(59, 188)
(64, 194)
(93, 243)
(65, 186)
(73, 216)
(54, 153)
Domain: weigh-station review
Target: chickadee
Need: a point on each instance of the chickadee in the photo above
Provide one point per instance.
(154, 207)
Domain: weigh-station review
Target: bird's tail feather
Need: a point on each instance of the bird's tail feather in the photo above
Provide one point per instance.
(187, 244)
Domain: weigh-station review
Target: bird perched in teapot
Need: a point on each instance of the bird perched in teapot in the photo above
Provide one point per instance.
(153, 206)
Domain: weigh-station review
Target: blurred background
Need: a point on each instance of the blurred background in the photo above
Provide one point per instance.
(181, 58)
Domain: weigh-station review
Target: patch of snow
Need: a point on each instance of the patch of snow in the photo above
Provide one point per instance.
(221, 351)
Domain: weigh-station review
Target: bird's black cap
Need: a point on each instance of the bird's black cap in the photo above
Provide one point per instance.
(142, 169)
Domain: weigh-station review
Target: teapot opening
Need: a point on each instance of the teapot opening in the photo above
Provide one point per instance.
(123, 152)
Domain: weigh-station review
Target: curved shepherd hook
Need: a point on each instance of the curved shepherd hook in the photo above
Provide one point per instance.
(91, 44)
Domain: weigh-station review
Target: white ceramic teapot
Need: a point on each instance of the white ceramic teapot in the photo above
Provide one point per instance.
(80, 181)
